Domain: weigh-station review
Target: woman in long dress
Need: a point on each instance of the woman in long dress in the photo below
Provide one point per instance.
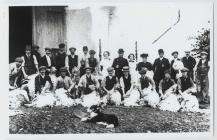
(105, 63)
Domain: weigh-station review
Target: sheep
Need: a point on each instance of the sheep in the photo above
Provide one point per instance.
(132, 98)
(17, 98)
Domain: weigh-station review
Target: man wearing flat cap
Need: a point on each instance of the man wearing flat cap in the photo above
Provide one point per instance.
(71, 60)
(88, 82)
(83, 60)
(15, 72)
(46, 59)
(92, 61)
(60, 58)
(64, 81)
(166, 83)
(189, 62)
(160, 65)
(43, 82)
(30, 63)
(119, 63)
(174, 68)
(111, 82)
(185, 82)
(144, 63)
(202, 77)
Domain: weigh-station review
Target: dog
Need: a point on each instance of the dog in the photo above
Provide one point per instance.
(98, 117)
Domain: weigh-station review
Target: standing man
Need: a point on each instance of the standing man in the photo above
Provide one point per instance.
(189, 62)
(46, 59)
(119, 63)
(30, 63)
(36, 53)
(83, 60)
(144, 63)
(202, 77)
(160, 65)
(60, 58)
(92, 61)
(71, 60)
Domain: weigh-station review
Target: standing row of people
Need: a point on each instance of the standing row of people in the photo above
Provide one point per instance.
(29, 64)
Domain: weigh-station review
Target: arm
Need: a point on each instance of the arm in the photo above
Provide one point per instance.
(35, 62)
(71, 85)
(152, 83)
(160, 88)
(23, 70)
(179, 86)
(104, 84)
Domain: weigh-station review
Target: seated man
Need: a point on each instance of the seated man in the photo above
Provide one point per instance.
(42, 81)
(64, 81)
(88, 82)
(166, 83)
(15, 72)
(75, 76)
(185, 83)
(125, 80)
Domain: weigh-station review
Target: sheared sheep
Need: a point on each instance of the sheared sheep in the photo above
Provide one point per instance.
(170, 103)
(151, 97)
(132, 98)
(17, 98)
(115, 97)
(62, 99)
(91, 99)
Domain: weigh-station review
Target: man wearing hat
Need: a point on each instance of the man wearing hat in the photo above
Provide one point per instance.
(126, 80)
(202, 77)
(64, 81)
(185, 83)
(15, 72)
(30, 63)
(60, 58)
(174, 70)
(144, 63)
(43, 81)
(35, 52)
(71, 60)
(110, 82)
(88, 82)
(144, 81)
(160, 65)
(165, 83)
(46, 59)
(189, 62)
(119, 63)
(92, 61)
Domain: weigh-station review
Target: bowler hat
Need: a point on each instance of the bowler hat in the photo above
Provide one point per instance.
(62, 45)
(125, 68)
(175, 52)
(142, 71)
(144, 55)
(121, 51)
(42, 68)
(85, 48)
(92, 52)
(35, 46)
(184, 69)
(160, 51)
(28, 47)
(47, 49)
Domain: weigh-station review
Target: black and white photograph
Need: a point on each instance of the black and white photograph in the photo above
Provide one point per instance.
(81, 68)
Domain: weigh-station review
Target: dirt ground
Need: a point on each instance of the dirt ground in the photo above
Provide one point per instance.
(131, 119)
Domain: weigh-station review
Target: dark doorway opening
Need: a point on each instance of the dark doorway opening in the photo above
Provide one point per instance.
(20, 30)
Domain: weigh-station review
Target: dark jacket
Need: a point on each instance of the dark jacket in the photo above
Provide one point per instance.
(159, 68)
(40, 82)
(189, 63)
(120, 62)
(45, 63)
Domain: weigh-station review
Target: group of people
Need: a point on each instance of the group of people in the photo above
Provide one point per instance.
(82, 74)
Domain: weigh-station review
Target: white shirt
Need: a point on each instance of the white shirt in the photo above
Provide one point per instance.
(105, 63)
(48, 60)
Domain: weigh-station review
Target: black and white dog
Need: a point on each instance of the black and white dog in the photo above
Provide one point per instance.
(98, 117)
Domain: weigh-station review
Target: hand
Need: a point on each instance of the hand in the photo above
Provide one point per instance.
(25, 76)
(15, 85)
(117, 66)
